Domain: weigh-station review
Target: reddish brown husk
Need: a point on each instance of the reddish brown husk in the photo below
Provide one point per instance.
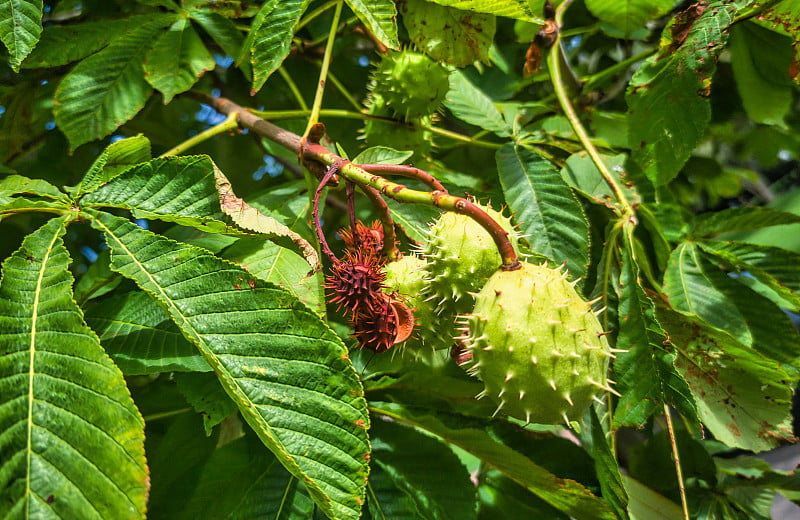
(389, 322)
(369, 238)
(356, 282)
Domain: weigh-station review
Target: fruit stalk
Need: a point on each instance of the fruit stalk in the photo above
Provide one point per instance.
(316, 153)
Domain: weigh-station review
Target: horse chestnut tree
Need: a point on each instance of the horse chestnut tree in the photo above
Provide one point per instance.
(398, 259)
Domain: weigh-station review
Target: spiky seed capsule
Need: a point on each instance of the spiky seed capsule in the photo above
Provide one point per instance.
(387, 323)
(406, 279)
(536, 345)
(412, 84)
(400, 136)
(370, 238)
(356, 282)
(460, 256)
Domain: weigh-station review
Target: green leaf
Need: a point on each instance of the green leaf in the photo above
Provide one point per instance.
(72, 439)
(544, 205)
(761, 60)
(177, 60)
(248, 217)
(518, 9)
(662, 138)
(288, 373)
(17, 184)
(20, 27)
(97, 281)
(564, 494)
(447, 34)
(405, 457)
(582, 174)
(607, 470)
(140, 337)
(63, 44)
(115, 160)
(380, 17)
(175, 477)
(778, 269)
(468, 103)
(206, 396)
(280, 266)
(739, 219)
(224, 32)
(742, 397)
(23, 205)
(646, 374)
(255, 484)
(382, 155)
(695, 285)
(271, 36)
(501, 497)
(106, 89)
(646, 504)
(630, 15)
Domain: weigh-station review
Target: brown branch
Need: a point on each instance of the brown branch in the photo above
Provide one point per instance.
(318, 158)
(404, 171)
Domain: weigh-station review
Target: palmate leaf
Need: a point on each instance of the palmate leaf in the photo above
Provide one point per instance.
(71, 439)
(418, 473)
(270, 37)
(544, 205)
(661, 137)
(177, 60)
(108, 88)
(380, 17)
(563, 494)
(742, 397)
(20, 28)
(646, 374)
(695, 285)
(288, 374)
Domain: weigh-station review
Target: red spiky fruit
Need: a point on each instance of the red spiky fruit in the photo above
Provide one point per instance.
(356, 283)
(370, 238)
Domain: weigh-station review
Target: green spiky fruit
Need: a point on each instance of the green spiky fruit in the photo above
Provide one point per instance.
(537, 345)
(411, 84)
(410, 135)
(406, 278)
(461, 256)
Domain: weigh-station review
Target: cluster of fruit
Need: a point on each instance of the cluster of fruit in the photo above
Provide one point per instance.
(526, 333)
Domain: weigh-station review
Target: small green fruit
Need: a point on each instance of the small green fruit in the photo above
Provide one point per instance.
(395, 134)
(460, 255)
(412, 84)
(406, 278)
(537, 345)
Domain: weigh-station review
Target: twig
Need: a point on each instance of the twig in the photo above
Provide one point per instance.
(677, 460)
(404, 171)
(554, 65)
(323, 73)
(229, 124)
(312, 152)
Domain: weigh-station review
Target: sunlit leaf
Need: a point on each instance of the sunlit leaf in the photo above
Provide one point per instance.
(177, 60)
(380, 16)
(519, 9)
(271, 37)
(108, 88)
(547, 211)
(469, 104)
(71, 438)
(630, 15)
(287, 372)
(20, 27)
(742, 397)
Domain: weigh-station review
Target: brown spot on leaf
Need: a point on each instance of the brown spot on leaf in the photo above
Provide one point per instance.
(683, 24)
(360, 423)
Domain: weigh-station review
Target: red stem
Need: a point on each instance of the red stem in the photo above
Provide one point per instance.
(404, 171)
